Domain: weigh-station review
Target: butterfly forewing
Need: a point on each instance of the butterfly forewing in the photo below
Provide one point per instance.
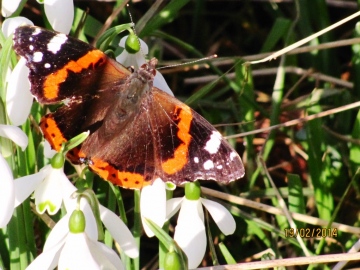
(63, 67)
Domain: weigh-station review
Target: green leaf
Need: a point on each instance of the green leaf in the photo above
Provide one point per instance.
(296, 197)
(226, 253)
(166, 15)
(167, 241)
(279, 31)
(77, 140)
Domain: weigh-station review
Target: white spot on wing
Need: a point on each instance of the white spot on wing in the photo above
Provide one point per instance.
(47, 65)
(31, 47)
(37, 57)
(219, 167)
(36, 32)
(233, 155)
(196, 159)
(208, 165)
(213, 144)
(56, 42)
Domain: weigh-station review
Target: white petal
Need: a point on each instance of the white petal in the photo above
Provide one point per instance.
(128, 60)
(221, 216)
(48, 259)
(48, 195)
(9, 7)
(121, 58)
(60, 14)
(76, 254)
(172, 206)
(153, 204)
(190, 232)
(105, 256)
(18, 96)
(160, 83)
(26, 185)
(69, 202)
(139, 59)
(48, 152)
(11, 24)
(15, 134)
(67, 188)
(7, 193)
(119, 232)
(80, 252)
(91, 226)
(58, 233)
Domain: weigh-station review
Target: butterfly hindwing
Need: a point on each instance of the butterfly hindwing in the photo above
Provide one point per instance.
(197, 149)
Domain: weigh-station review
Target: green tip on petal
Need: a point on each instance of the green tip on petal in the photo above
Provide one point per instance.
(58, 161)
(77, 222)
(46, 205)
(132, 44)
(172, 261)
(192, 191)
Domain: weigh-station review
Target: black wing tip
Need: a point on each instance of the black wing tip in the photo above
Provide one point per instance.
(21, 33)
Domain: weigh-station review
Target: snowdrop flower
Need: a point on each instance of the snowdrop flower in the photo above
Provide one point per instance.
(136, 58)
(75, 246)
(153, 204)
(18, 96)
(190, 230)
(7, 187)
(50, 186)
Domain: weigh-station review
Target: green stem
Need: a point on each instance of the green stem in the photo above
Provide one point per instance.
(137, 225)
(162, 248)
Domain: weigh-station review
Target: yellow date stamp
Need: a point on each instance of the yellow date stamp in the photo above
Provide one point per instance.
(311, 232)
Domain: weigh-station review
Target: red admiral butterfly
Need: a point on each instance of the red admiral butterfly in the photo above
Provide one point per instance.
(137, 132)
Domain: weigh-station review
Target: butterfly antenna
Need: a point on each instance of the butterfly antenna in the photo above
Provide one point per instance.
(131, 19)
(190, 62)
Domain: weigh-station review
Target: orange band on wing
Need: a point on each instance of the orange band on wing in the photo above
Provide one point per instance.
(53, 81)
(120, 178)
(180, 159)
(51, 132)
